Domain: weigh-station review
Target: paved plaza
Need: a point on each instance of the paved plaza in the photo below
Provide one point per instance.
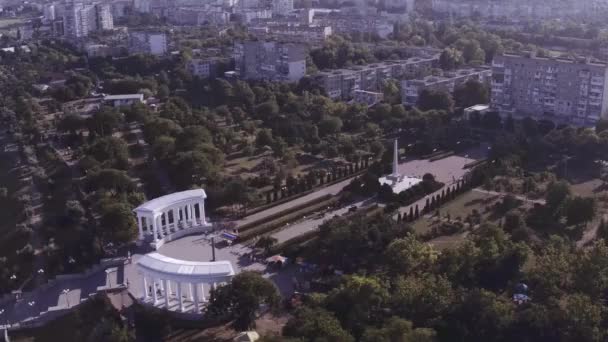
(445, 170)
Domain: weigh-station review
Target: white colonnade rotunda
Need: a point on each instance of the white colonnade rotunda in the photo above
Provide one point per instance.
(180, 285)
(170, 283)
(172, 216)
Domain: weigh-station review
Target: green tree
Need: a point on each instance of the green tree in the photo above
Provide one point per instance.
(104, 121)
(480, 316)
(431, 99)
(163, 147)
(357, 302)
(71, 123)
(557, 195)
(118, 222)
(408, 255)
(330, 125)
(241, 298)
(264, 138)
(396, 329)
(580, 210)
(191, 168)
(471, 93)
(423, 298)
(111, 180)
(191, 137)
(450, 58)
(316, 324)
(111, 152)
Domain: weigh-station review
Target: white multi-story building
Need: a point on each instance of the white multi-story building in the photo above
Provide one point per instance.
(521, 9)
(564, 90)
(49, 13)
(308, 34)
(344, 83)
(204, 67)
(105, 19)
(154, 43)
(80, 19)
(410, 89)
(275, 61)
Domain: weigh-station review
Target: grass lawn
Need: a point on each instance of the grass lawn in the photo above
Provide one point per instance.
(458, 209)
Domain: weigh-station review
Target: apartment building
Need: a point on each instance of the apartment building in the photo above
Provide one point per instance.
(299, 33)
(351, 23)
(343, 83)
(410, 89)
(154, 43)
(368, 98)
(275, 61)
(195, 16)
(205, 67)
(79, 19)
(104, 17)
(564, 90)
(521, 9)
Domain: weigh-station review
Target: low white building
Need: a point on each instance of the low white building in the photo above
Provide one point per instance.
(124, 99)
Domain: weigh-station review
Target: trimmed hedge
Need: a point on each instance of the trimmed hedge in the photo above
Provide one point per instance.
(282, 220)
(287, 211)
(308, 236)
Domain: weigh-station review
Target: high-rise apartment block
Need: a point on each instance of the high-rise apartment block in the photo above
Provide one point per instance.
(448, 82)
(80, 19)
(564, 90)
(343, 83)
(275, 61)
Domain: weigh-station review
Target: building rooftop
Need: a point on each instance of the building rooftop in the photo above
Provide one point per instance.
(124, 97)
(183, 268)
(162, 202)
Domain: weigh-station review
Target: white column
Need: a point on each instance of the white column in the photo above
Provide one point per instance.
(141, 231)
(180, 214)
(191, 292)
(154, 290)
(189, 209)
(195, 298)
(155, 227)
(201, 206)
(166, 293)
(146, 292)
(203, 292)
(179, 296)
(160, 225)
(168, 288)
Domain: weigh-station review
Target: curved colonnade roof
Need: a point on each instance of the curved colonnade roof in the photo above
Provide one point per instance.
(184, 269)
(163, 202)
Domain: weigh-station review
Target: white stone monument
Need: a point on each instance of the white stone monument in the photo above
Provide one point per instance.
(395, 180)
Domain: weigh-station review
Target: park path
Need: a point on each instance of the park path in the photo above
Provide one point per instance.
(58, 295)
(519, 197)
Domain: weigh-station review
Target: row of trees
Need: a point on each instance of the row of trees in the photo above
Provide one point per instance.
(463, 293)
